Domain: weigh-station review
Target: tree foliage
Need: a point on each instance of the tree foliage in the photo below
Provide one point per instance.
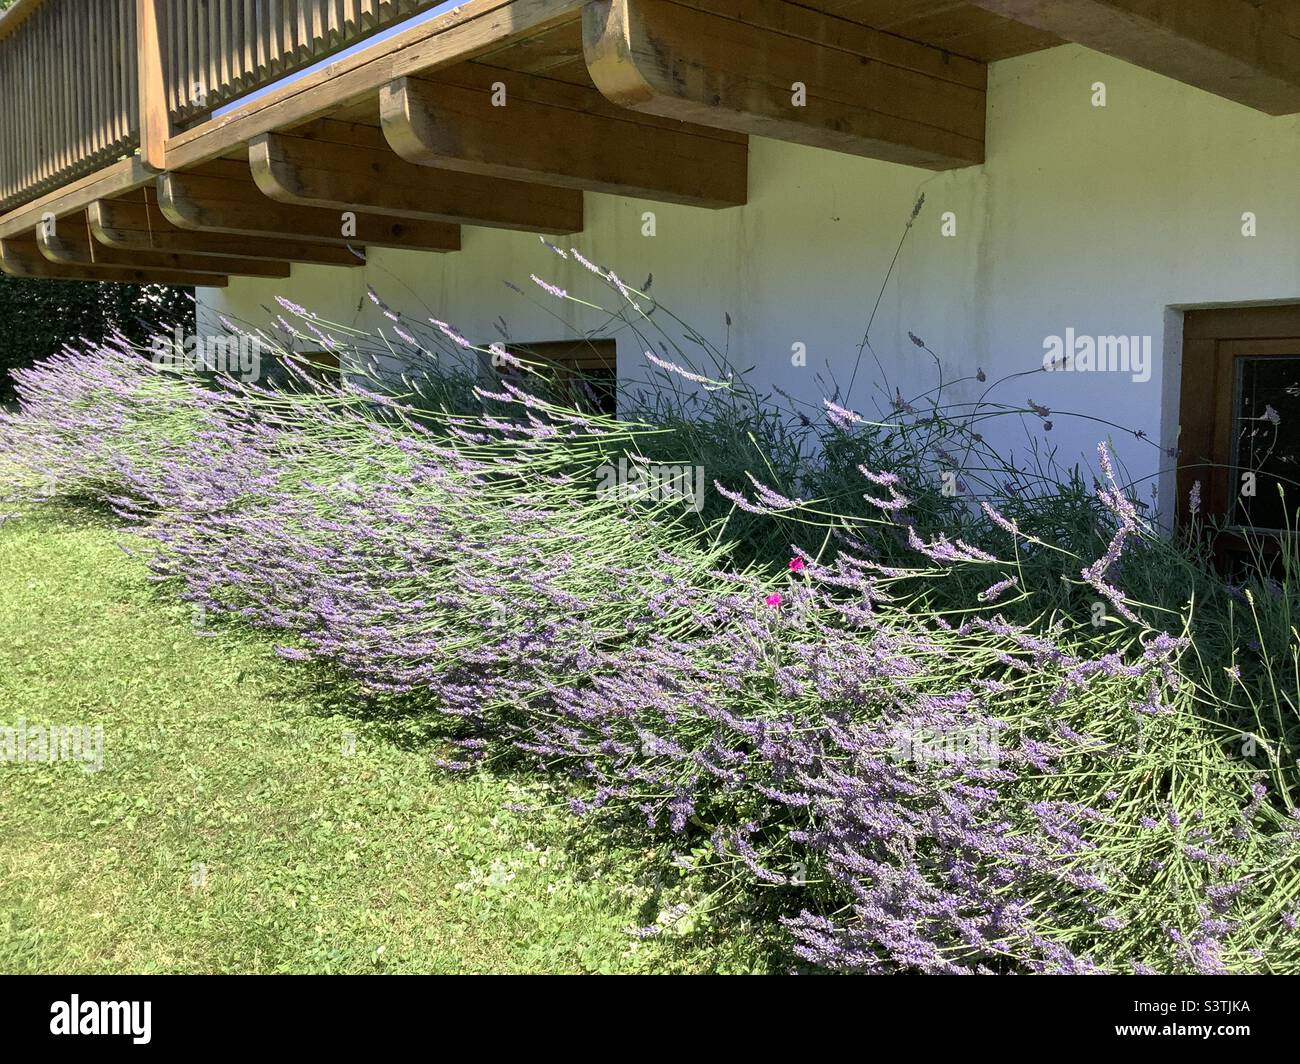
(38, 317)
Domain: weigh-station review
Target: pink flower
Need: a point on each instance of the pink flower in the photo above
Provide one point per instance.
(774, 599)
(796, 565)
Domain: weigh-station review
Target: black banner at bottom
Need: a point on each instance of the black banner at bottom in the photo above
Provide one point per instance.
(629, 1014)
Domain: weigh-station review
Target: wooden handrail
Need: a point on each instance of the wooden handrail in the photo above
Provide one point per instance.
(15, 15)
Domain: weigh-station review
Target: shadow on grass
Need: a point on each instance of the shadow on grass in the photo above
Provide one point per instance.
(594, 846)
(75, 512)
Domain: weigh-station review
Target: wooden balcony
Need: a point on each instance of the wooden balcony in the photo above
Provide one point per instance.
(192, 139)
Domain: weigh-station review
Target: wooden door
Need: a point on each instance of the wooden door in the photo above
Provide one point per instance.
(1239, 440)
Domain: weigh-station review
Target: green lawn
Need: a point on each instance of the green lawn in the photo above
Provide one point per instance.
(230, 830)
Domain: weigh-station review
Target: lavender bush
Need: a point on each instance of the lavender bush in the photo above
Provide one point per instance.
(886, 747)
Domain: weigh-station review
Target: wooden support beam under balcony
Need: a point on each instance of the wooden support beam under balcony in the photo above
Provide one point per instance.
(221, 197)
(496, 123)
(21, 257)
(1244, 50)
(344, 166)
(136, 223)
(70, 243)
(781, 70)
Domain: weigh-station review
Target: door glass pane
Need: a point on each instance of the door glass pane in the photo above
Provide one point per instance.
(1266, 441)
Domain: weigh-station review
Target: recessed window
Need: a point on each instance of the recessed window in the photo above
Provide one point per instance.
(584, 372)
(322, 365)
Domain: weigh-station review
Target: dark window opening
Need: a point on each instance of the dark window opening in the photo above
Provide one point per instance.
(1265, 441)
(320, 365)
(584, 373)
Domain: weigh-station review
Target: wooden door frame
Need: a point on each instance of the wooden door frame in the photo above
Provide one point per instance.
(1205, 395)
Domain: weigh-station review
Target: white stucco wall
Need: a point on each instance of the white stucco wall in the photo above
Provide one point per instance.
(1107, 220)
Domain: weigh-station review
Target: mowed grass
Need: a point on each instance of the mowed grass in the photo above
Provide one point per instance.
(241, 823)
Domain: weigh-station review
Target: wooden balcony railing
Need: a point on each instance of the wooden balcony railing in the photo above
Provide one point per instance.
(70, 70)
(68, 80)
(215, 51)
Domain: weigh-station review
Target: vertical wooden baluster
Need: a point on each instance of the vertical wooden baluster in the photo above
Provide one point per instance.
(194, 59)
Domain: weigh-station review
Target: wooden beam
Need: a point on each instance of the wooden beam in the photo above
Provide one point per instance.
(739, 65)
(1243, 50)
(155, 116)
(137, 224)
(22, 258)
(470, 29)
(221, 197)
(344, 166)
(69, 242)
(122, 176)
(559, 134)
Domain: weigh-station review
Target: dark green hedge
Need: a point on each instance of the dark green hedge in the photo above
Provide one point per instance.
(38, 317)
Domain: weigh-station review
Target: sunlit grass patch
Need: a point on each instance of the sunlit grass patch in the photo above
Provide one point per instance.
(241, 824)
